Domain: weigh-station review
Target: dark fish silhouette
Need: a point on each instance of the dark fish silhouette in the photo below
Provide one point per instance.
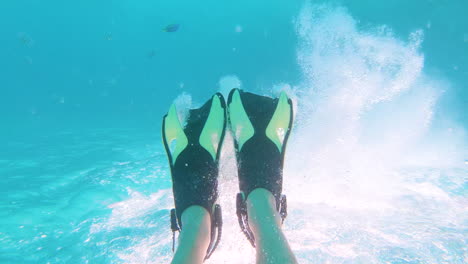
(171, 28)
(25, 39)
(151, 54)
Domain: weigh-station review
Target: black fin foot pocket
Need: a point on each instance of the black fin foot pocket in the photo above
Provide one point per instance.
(193, 149)
(260, 127)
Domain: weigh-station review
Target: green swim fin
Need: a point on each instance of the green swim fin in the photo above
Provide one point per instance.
(193, 152)
(260, 127)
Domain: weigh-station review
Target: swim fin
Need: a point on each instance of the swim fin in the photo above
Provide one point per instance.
(193, 152)
(260, 127)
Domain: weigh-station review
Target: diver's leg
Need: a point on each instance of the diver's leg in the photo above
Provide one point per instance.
(265, 222)
(194, 238)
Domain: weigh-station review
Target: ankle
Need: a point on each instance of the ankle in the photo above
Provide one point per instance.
(196, 218)
(261, 208)
(194, 237)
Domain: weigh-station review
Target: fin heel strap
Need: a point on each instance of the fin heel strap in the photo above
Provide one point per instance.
(243, 218)
(216, 229)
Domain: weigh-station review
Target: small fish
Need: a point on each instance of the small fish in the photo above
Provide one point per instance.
(171, 28)
(109, 36)
(28, 60)
(151, 54)
(25, 39)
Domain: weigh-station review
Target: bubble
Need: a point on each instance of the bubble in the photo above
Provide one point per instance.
(183, 104)
(227, 83)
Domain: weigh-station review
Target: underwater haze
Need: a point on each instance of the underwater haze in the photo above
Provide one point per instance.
(376, 169)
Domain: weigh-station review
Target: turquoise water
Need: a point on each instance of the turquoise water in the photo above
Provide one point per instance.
(376, 169)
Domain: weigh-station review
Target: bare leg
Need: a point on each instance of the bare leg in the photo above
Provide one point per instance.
(194, 238)
(265, 222)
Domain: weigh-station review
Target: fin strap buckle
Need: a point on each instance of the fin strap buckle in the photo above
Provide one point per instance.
(174, 227)
(241, 211)
(283, 210)
(216, 230)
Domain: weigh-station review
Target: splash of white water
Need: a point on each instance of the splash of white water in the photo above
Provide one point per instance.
(361, 184)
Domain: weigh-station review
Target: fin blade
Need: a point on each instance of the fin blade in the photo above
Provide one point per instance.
(279, 124)
(212, 132)
(173, 130)
(241, 125)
